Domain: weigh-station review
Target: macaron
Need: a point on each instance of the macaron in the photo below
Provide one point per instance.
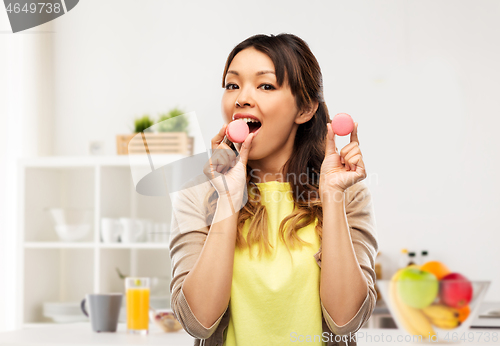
(342, 124)
(237, 131)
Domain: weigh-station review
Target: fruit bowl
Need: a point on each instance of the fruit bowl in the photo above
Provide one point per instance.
(433, 313)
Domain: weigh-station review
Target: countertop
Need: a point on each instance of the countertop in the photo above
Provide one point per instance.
(81, 334)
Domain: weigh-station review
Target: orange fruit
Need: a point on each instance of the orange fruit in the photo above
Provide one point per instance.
(437, 268)
(463, 313)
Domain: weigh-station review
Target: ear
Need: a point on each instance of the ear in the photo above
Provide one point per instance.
(307, 114)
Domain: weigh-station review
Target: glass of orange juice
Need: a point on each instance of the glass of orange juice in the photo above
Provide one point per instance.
(137, 292)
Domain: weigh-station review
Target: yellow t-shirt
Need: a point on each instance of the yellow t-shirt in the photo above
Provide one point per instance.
(272, 301)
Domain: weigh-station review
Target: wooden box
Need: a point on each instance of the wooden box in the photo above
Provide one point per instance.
(155, 143)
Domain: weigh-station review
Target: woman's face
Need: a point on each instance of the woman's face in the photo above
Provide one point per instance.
(251, 89)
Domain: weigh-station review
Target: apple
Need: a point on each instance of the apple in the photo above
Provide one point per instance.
(417, 288)
(455, 290)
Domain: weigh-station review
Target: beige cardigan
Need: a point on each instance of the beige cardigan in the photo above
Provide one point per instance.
(185, 248)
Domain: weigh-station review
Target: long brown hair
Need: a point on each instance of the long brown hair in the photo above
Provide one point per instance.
(293, 60)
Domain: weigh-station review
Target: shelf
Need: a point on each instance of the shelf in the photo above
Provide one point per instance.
(57, 245)
(87, 245)
(135, 246)
(90, 161)
(55, 270)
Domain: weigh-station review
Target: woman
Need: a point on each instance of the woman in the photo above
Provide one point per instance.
(279, 246)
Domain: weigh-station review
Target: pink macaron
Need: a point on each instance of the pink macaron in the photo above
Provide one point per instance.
(342, 124)
(237, 131)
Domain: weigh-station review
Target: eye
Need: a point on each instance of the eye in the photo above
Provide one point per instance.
(267, 87)
(230, 86)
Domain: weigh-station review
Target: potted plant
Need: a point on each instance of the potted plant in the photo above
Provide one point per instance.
(143, 124)
(173, 121)
(172, 128)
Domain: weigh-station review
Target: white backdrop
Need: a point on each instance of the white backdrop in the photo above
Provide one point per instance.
(420, 77)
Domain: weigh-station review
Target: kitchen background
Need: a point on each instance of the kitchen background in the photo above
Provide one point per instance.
(420, 77)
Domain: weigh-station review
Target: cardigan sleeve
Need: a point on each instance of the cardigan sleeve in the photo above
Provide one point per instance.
(362, 226)
(188, 234)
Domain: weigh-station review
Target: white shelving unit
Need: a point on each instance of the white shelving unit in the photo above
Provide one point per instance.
(54, 271)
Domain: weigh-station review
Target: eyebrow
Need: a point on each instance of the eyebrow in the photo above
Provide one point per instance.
(257, 74)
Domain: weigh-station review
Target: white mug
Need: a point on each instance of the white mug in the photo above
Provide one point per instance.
(165, 231)
(148, 230)
(157, 232)
(132, 230)
(110, 230)
(161, 233)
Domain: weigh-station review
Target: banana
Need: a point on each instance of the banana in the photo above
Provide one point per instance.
(442, 316)
(413, 320)
(440, 311)
(446, 324)
(419, 321)
(393, 296)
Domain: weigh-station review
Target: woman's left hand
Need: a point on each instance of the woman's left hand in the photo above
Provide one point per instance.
(340, 171)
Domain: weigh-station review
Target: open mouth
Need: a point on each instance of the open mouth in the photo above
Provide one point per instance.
(254, 126)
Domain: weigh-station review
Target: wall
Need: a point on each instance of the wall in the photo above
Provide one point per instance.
(26, 110)
(420, 77)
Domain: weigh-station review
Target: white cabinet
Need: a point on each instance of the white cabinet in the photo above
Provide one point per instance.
(55, 271)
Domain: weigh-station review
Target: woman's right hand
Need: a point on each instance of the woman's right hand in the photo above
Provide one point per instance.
(224, 163)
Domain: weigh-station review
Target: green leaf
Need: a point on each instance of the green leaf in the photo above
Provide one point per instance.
(173, 121)
(143, 124)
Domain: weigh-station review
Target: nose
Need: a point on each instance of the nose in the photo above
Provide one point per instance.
(244, 98)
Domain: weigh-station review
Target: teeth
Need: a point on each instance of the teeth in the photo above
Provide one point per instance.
(249, 120)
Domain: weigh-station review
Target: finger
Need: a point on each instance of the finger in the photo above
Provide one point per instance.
(330, 141)
(230, 159)
(356, 161)
(354, 134)
(216, 141)
(215, 159)
(349, 148)
(245, 148)
(352, 157)
(227, 160)
(222, 148)
(222, 159)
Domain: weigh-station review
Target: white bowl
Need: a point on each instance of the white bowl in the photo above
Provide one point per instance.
(69, 216)
(66, 318)
(65, 308)
(64, 312)
(72, 224)
(72, 232)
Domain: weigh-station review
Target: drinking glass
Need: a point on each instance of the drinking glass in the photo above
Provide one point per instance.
(137, 291)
